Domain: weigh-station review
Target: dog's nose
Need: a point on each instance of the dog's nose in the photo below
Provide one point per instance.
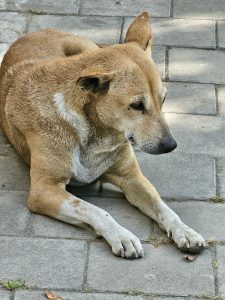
(168, 144)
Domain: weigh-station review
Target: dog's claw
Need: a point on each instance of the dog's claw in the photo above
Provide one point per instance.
(188, 240)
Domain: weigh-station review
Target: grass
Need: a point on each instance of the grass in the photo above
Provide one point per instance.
(215, 264)
(218, 199)
(157, 241)
(12, 284)
(35, 11)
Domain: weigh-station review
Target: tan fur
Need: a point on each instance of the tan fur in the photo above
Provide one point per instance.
(65, 103)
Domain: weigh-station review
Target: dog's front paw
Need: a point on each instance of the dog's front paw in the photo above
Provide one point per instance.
(126, 244)
(187, 239)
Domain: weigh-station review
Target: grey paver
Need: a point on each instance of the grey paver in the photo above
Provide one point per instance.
(196, 65)
(12, 26)
(14, 212)
(42, 6)
(221, 176)
(7, 150)
(48, 227)
(198, 134)
(3, 48)
(206, 218)
(125, 214)
(28, 295)
(5, 295)
(199, 9)
(155, 273)
(221, 101)
(190, 98)
(3, 139)
(14, 174)
(158, 8)
(43, 262)
(221, 269)
(221, 34)
(159, 56)
(179, 175)
(180, 32)
(98, 29)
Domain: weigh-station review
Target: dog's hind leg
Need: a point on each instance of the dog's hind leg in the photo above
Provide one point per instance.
(127, 175)
(49, 197)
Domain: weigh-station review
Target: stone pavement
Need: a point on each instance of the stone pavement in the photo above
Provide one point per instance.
(189, 49)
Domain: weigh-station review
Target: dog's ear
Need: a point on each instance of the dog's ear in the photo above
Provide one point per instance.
(95, 83)
(140, 32)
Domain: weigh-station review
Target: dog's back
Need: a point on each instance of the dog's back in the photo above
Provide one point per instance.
(26, 54)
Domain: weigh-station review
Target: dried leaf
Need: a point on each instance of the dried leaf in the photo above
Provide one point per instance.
(189, 257)
(52, 296)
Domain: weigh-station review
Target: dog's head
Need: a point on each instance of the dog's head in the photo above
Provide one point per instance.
(129, 92)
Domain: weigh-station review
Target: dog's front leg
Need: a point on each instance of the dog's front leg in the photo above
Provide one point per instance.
(127, 175)
(48, 197)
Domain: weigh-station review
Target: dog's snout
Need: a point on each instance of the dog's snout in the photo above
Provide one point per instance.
(168, 144)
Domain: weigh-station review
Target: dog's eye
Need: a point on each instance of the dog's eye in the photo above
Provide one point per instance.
(137, 106)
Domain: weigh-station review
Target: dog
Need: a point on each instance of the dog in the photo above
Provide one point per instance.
(73, 109)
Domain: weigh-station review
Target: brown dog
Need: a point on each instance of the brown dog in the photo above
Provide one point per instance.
(72, 109)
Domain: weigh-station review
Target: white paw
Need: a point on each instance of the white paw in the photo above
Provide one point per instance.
(126, 244)
(187, 239)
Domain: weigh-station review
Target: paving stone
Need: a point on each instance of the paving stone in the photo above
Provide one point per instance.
(48, 227)
(14, 212)
(179, 175)
(42, 6)
(180, 32)
(196, 65)
(14, 174)
(199, 9)
(98, 29)
(206, 218)
(198, 134)
(221, 176)
(12, 26)
(190, 98)
(155, 273)
(28, 295)
(7, 150)
(3, 139)
(221, 34)
(221, 269)
(159, 56)
(43, 263)
(3, 48)
(5, 295)
(158, 8)
(221, 101)
(125, 214)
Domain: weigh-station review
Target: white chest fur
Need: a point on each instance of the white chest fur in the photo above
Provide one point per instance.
(91, 161)
(88, 166)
